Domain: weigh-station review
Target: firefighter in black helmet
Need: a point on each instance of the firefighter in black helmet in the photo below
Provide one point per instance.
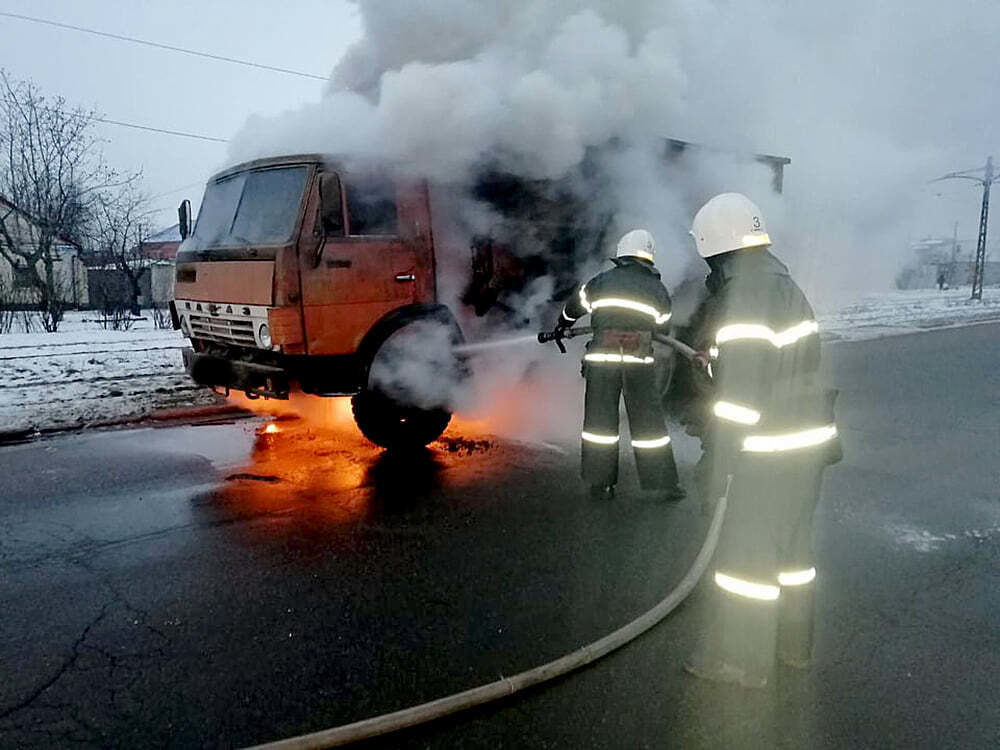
(627, 304)
(767, 432)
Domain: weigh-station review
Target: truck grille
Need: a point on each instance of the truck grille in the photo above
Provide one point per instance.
(238, 332)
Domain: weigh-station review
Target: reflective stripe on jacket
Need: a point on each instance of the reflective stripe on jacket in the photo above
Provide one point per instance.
(763, 341)
(628, 297)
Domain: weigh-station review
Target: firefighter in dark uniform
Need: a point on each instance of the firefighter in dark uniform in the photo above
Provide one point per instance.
(767, 432)
(627, 304)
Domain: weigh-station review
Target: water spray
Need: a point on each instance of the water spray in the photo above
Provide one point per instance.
(481, 346)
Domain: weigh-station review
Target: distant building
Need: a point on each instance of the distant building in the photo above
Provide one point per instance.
(108, 285)
(962, 272)
(163, 245)
(20, 281)
(933, 257)
(161, 248)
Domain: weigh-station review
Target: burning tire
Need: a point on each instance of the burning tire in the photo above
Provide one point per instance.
(410, 383)
(395, 426)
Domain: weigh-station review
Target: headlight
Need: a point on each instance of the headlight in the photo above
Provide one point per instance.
(264, 336)
(185, 328)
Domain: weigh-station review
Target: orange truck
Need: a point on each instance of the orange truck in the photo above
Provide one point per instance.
(298, 272)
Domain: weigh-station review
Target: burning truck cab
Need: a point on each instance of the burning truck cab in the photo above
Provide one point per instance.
(302, 273)
(296, 274)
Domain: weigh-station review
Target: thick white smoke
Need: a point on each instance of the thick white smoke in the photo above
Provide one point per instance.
(869, 99)
(440, 88)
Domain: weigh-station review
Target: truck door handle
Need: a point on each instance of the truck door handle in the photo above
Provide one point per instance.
(402, 277)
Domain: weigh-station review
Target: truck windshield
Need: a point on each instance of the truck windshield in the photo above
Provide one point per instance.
(251, 208)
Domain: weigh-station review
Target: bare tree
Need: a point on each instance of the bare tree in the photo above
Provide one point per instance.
(51, 175)
(7, 306)
(120, 225)
(161, 317)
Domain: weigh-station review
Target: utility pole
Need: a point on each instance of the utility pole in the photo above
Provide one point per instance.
(986, 181)
(952, 267)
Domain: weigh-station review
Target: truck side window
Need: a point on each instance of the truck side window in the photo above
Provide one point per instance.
(371, 206)
(331, 211)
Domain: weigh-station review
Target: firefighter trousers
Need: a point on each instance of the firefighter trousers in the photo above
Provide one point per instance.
(764, 568)
(607, 383)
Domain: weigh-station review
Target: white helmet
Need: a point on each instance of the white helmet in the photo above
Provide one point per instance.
(729, 221)
(638, 243)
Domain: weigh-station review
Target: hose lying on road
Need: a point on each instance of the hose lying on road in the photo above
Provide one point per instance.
(409, 717)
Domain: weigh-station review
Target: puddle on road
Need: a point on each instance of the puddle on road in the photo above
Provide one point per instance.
(327, 475)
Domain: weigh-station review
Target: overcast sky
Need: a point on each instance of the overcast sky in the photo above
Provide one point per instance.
(168, 90)
(924, 55)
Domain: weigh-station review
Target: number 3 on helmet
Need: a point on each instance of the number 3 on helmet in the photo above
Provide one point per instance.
(728, 222)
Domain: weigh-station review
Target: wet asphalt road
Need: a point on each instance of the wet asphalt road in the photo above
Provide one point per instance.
(216, 586)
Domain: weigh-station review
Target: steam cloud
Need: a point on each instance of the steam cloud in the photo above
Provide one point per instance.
(870, 101)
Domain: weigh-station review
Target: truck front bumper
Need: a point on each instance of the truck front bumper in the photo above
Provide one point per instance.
(252, 378)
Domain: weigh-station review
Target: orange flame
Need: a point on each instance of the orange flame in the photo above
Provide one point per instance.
(320, 411)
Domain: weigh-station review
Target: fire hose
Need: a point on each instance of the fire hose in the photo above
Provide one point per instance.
(559, 335)
(378, 726)
(507, 686)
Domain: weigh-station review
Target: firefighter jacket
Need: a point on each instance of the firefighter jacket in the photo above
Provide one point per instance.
(627, 304)
(763, 344)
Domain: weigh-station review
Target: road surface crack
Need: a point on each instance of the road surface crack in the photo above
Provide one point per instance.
(63, 668)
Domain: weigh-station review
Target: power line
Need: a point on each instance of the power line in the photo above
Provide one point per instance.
(159, 45)
(177, 190)
(151, 129)
(135, 126)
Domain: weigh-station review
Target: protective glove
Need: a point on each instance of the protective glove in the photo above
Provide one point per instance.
(702, 361)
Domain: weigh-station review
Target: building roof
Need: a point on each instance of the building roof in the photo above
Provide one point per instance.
(677, 146)
(170, 234)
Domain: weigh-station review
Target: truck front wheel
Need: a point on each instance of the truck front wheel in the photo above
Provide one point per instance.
(395, 426)
(411, 379)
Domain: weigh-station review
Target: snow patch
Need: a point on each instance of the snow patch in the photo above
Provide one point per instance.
(907, 311)
(84, 373)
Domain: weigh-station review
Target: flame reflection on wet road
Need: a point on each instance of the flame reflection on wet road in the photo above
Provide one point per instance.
(327, 478)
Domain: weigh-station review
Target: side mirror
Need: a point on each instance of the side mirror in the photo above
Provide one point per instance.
(330, 216)
(184, 218)
(331, 209)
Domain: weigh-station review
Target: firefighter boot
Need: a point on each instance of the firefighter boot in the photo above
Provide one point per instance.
(738, 647)
(795, 626)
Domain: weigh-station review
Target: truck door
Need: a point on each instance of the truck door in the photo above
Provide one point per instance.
(365, 267)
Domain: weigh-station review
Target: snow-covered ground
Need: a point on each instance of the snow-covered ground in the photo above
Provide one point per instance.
(85, 374)
(906, 311)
